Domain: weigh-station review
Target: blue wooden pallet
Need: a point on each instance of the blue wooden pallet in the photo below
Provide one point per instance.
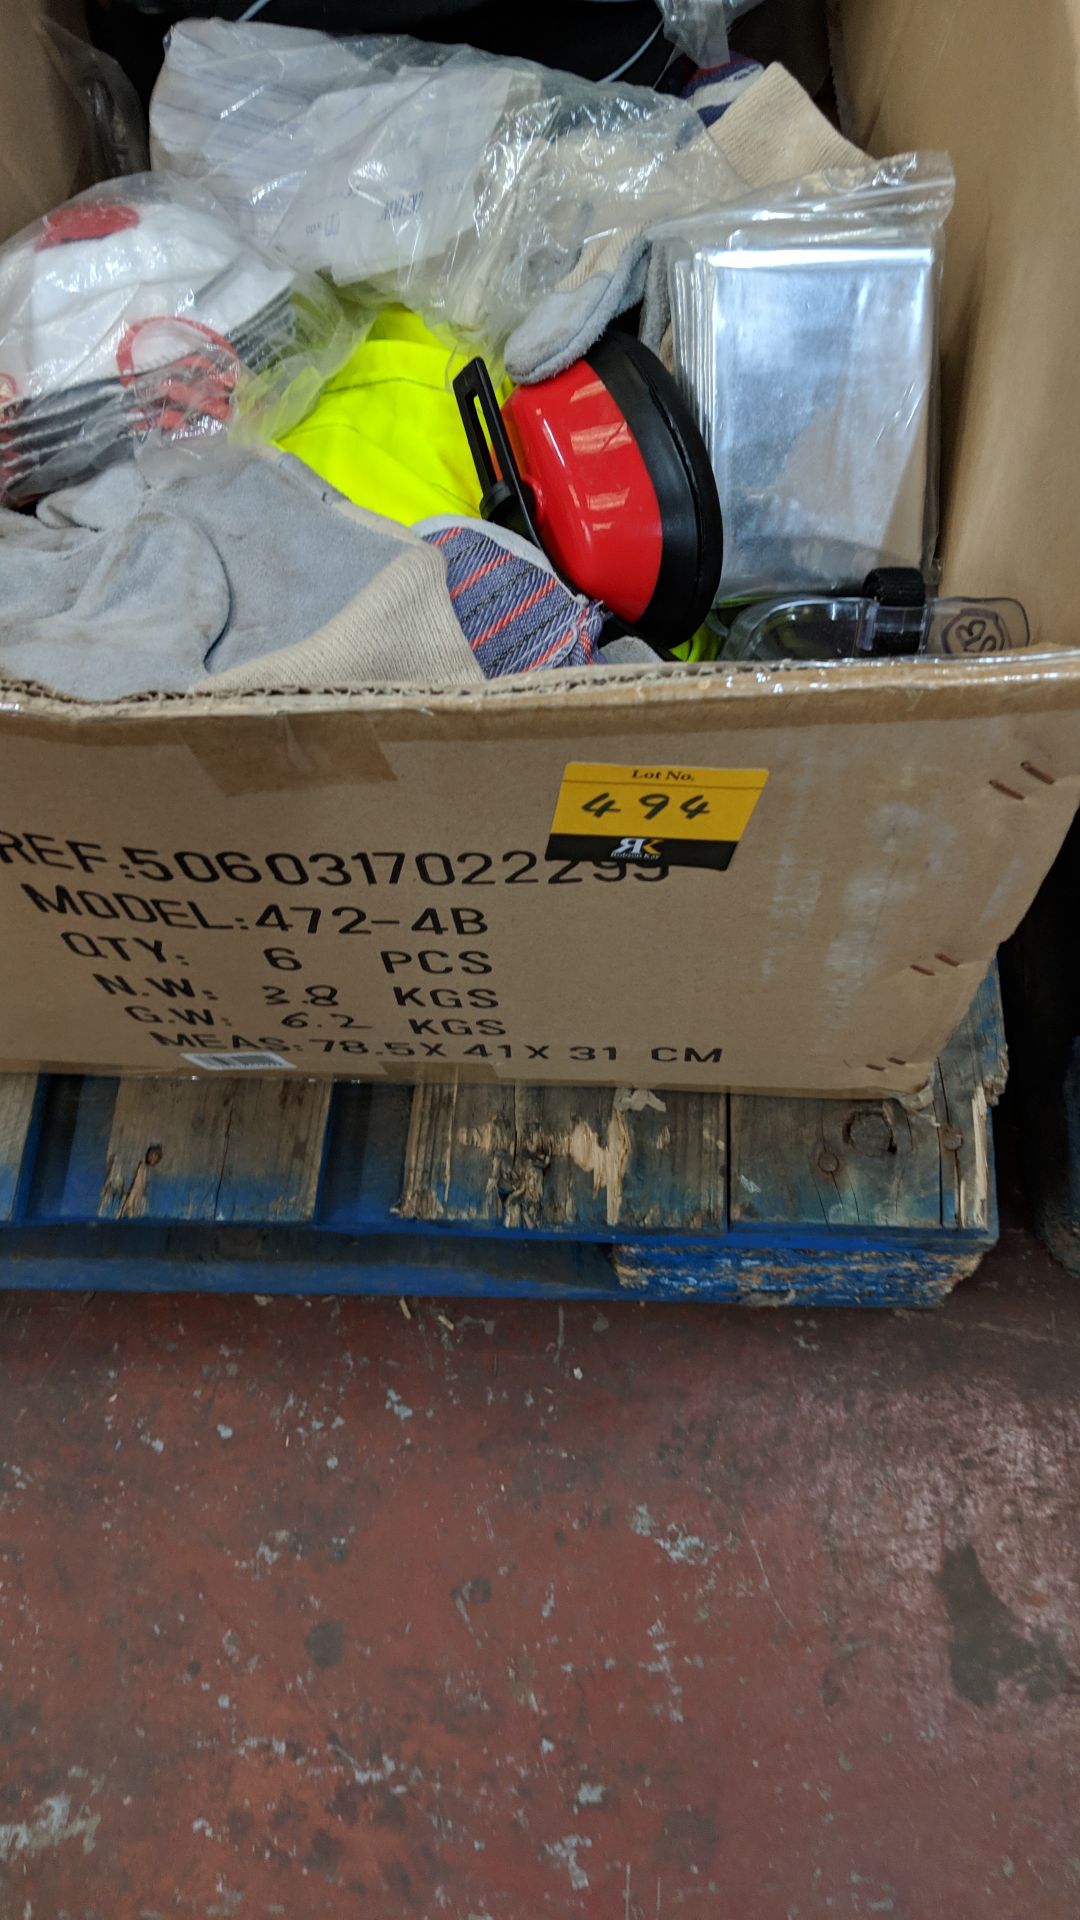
(536, 1192)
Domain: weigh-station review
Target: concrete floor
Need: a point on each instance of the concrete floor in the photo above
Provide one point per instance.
(310, 1609)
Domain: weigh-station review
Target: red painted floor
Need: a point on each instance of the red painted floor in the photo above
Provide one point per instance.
(309, 1609)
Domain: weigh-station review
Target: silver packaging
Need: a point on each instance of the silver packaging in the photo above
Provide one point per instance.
(805, 332)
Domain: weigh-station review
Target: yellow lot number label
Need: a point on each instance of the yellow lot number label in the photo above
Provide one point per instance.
(650, 815)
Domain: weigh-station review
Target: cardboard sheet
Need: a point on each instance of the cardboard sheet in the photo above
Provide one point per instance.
(366, 886)
(1000, 91)
(43, 157)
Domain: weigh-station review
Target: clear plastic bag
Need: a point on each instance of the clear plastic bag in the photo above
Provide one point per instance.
(804, 329)
(136, 317)
(699, 27)
(461, 183)
(108, 103)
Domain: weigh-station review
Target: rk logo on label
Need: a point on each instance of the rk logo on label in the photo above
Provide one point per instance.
(649, 815)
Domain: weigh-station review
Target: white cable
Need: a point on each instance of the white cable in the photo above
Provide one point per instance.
(258, 5)
(619, 71)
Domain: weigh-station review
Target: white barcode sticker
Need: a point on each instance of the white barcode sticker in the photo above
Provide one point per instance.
(239, 1062)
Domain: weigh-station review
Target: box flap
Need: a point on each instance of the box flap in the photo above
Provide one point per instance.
(999, 91)
(43, 148)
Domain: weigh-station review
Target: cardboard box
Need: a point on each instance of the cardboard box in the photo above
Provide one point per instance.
(44, 148)
(385, 884)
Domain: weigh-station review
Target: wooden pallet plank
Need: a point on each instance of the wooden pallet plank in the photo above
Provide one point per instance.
(836, 1274)
(143, 1258)
(237, 1150)
(294, 1260)
(869, 1164)
(969, 1077)
(833, 1163)
(18, 1093)
(980, 1040)
(567, 1159)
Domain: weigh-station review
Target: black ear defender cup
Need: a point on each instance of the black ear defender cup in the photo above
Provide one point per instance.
(661, 422)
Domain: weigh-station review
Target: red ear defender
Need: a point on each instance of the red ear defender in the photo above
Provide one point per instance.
(604, 468)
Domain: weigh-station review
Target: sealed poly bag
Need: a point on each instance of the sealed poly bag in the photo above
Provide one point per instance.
(463, 184)
(398, 173)
(804, 329)
(137, 314)
(348, 154)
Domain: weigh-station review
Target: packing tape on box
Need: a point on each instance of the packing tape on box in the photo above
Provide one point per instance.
(284, 751)
(240, 752)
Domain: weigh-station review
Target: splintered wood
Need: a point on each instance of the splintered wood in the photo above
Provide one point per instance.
(594, 1158)
(551, 1157)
